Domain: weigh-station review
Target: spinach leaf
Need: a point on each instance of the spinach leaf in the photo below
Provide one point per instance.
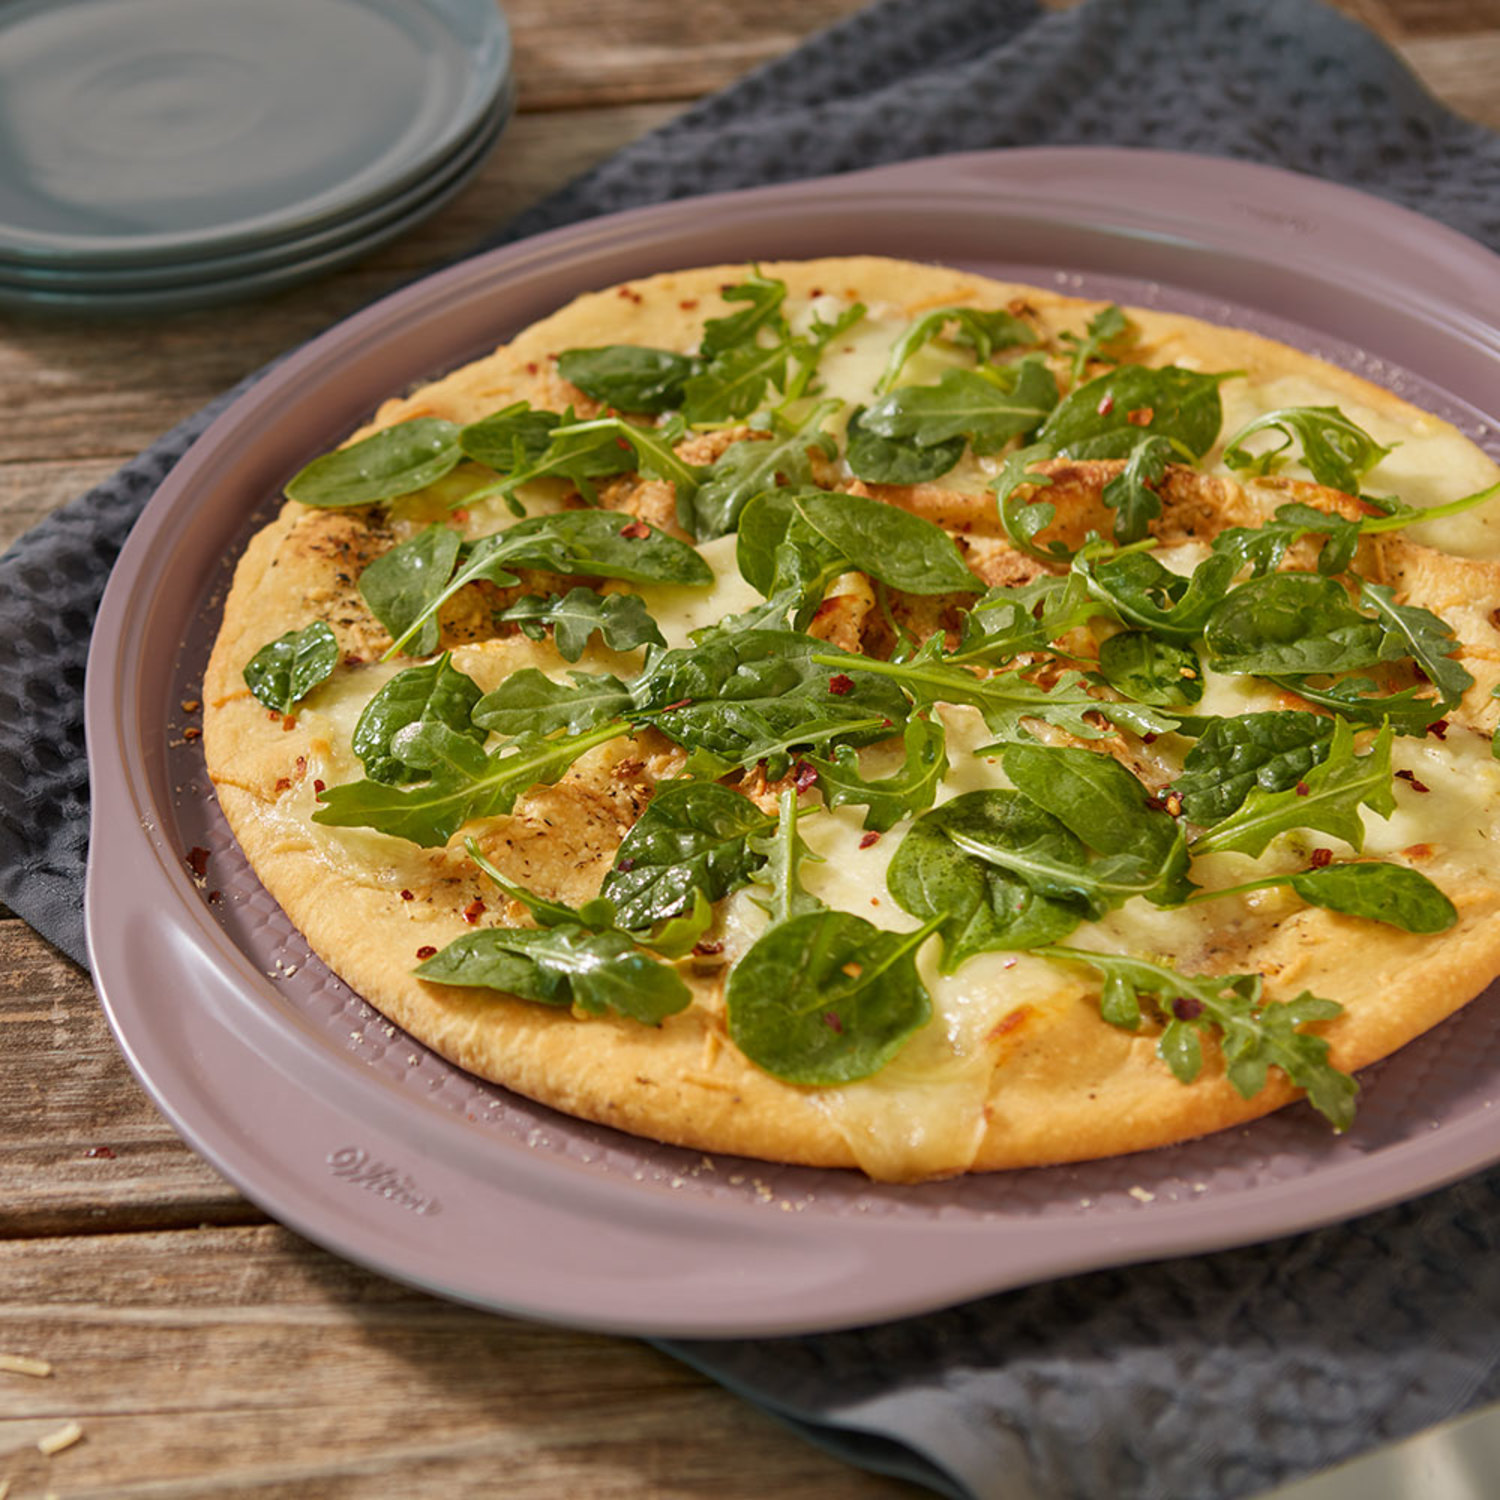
(394, 461)
(579, 452)
(621, 620)
(902, 794)
(596, 973)
(655, 454)
(693, 837)
(1294, 623)
(747, 468)
(1393, 894)
(465, 783)
(405, 587)
(1327, 798)
(882, 460)
(783, 851)
(1149, 670)
(286, 670)
(437, 691)
(1254, 1034)
(988, 406)
(1108, 331)
(629, 376)
(1143, 850)
(760, 695)
(1336, 451)
(1362, 700)
(1272, 751)
(827, 998)
(983, 330)
(982, 905)
(1107, 417)
(528, 703)
(510, 439)
(1424, 637)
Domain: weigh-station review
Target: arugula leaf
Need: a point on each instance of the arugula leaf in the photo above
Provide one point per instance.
(1149, 670)
(1263, 547)
(1107, 417)
(512, 438)
(394, 461)
(1424, 637)
(1337, 452)
(763, 296)
(1294, 623)
(982, 329)
(1010, 620)
(405, 587)
(1362, 700)
(693, 837)
(1143, 849)
(1272, 751)
(747, 468)
(760, 695)
(1397, 514)
(286, 670)
(1024, 520)
(465, 783)
(735, 384)
(827, 998)
(1130, 494)
(783, 852)
(1327, 798)
(629, 376)
(988, 406)
(1108, 327)
(529, 703)
(982, 905)
(896, 461)
(436, 691)
(621, 620)
(1254, 1034)
(579, 452)
(653, 446)
(596, 973)
(901, 795)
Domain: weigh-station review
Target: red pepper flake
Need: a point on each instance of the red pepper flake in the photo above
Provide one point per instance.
(1321, 858)
(1106, 406)
(1416, 785)
(301, 765)
(817, 291)
(867, 839)
(474, 910)
(290, 722)
(1149, 739)
(833, 1023)
(1142, 416)
(426, 951)
(708, 948)
(532, 367)
(214, 897)
(407, 896)
(1186, 1008)
(625, 866)
(318, 786)
(353, 659)
(680, 703)
(283, 783)
(1439, 727)
(887, 723)
(460, 515)
(840, 683)
(637, 530)
(197, 860)
(192, 732)
(273, 714)
(1303, 789)
(688, 304)
(99, 1153)
(806, 775)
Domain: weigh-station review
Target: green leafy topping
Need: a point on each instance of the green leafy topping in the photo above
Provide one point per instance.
(437, 692)
(783, 852)
(1335, 451)
(620, 619)
(987, 406)
(1327, 799)
(1109, 416)
(984, 330)
(1149, 670)
(1378, 891)
(894, 461)
(1108, 335)
(629, 376)
(510, 440)
(1254, 1034)
(694, 836)
(1263, 547)
(282, 673)
(1423, 637)
(392, 462)
(528, 702)
(904, 793)
(1272, 751)
(404, 586)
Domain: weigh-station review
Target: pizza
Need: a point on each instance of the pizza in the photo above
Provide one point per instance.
(863, 714)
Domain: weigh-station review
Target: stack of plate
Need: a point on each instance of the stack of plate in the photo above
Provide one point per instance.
(176, 153)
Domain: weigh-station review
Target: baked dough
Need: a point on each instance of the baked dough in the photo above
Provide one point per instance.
(1017, 1069)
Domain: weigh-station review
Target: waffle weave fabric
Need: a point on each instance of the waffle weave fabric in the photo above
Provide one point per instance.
(1211, 1377)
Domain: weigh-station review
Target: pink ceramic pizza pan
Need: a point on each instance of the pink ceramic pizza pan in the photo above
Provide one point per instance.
(359, 1138)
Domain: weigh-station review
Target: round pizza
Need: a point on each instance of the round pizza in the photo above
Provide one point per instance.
(864, 714)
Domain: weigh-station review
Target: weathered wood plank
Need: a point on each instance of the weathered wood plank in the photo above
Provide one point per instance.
(247, 1362)
(83, 1147)
(1462, 71)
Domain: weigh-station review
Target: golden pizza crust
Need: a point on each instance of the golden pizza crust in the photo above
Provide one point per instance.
(1056, 1083)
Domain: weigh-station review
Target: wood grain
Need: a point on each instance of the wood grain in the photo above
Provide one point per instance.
(235, 1359)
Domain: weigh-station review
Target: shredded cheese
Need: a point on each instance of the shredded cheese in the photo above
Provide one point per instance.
(64, 1437)
(23, 1364)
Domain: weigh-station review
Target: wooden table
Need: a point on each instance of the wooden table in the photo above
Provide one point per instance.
(204, 1350)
